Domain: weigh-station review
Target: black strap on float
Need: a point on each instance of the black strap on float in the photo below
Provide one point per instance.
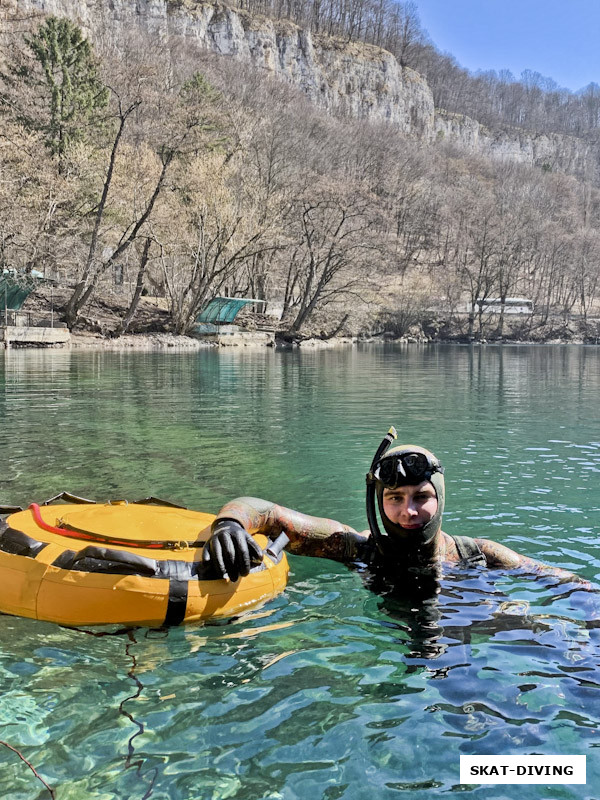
(108, 561)
(178, 594)
(17, 543)
(118, 562)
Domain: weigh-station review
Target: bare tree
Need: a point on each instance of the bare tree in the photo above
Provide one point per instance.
(173, 119)
(333, 247)
(472, 246)
(215, 237)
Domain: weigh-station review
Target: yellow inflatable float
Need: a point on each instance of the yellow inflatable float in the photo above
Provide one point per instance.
(86, 563)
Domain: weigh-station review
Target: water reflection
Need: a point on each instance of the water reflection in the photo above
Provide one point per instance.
(439, 610)
(332, 690)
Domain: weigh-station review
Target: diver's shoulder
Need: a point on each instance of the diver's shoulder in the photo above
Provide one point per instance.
(449, 549)
(498, 555)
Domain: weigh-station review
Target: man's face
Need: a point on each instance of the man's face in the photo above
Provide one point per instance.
(411, 507)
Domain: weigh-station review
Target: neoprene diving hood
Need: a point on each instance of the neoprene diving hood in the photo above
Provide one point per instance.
(403, 465)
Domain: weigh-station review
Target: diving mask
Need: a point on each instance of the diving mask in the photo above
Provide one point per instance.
(405, 468)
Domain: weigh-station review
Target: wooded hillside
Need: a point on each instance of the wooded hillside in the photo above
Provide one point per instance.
(531, 101)
(145, 165)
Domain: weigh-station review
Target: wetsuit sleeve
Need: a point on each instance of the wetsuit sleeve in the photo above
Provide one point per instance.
(497, 555)
(309, 536)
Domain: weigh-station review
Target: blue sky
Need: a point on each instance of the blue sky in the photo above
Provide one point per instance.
(559, 38)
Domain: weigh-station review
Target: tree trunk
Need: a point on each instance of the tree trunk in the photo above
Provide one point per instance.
(125, 322)
(82, 293)
(337, 328)
(471, 327)
(500, 328)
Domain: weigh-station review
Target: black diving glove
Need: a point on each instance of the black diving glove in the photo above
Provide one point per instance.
(231, 551)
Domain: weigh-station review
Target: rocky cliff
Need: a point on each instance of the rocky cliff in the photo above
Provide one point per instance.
(355, 79)
(549, 151)
(349, 78)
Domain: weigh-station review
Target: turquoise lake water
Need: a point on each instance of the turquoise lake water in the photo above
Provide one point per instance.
(329, 691)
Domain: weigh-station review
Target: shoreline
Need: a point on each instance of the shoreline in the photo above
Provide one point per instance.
(173, 341)
(250, 339)
(136, 341)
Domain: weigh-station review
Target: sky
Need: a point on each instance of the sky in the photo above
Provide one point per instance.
(558, 38)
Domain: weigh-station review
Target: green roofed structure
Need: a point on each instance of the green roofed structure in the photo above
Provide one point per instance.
(223, 310)
(15, 288)
(220, 312)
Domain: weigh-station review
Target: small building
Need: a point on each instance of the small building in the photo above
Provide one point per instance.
(512, 305)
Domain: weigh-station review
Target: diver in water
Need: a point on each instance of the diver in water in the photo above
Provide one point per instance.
(407, 483)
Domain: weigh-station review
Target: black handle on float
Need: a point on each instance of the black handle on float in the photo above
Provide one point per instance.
(371, 513)
(276, 547)
(10, 509)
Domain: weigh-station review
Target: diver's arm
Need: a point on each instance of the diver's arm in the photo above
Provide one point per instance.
(498, 555)
(309, 536)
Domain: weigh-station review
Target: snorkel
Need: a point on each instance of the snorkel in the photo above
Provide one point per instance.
(371, 485)
(404, 465)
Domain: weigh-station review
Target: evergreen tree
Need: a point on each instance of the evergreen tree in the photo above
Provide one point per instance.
(71, 88)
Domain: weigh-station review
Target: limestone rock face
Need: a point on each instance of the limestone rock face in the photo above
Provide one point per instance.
(350, 78)
(354, 79)
(550, 151)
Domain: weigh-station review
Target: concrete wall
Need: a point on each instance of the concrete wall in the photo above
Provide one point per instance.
(34, 337)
